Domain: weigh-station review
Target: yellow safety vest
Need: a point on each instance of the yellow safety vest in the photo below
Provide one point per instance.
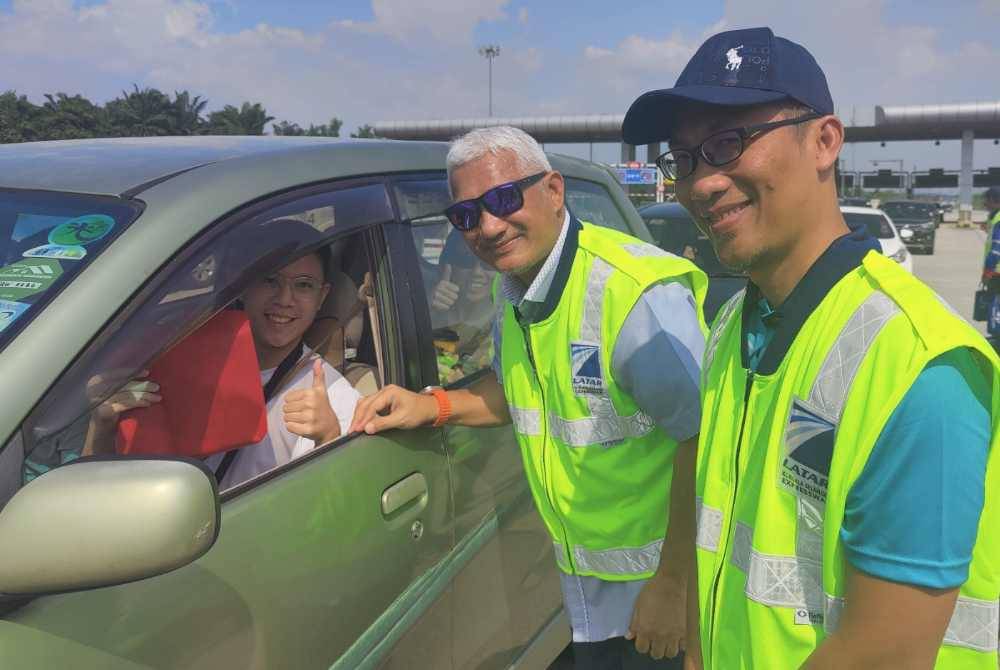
(599, 468)
(771, 565)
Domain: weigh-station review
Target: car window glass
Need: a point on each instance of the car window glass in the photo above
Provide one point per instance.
(680, 236)
(875, 224)
(212, 281)
(458, 288)
(591, 202)
(46, 239)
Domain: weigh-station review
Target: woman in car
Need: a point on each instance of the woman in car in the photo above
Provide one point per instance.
(311, 402)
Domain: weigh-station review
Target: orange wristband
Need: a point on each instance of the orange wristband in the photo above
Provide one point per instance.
(444, 406)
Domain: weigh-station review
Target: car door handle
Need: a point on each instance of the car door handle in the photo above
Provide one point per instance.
(403, 492)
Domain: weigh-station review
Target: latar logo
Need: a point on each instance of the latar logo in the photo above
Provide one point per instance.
(805, 469)
(585, 363)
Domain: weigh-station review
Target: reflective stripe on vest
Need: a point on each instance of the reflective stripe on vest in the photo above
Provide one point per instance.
(526, 421)
(797, 581)
(628, 561)
(725, 312)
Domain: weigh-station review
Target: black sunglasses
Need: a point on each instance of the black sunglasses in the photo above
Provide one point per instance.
(500, 201)
(719, 148)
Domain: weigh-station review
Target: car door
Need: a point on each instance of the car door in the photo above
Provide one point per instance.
(507, 593)
(331, 560)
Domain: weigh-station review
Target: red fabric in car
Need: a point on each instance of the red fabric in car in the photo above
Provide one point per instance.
(212, 399)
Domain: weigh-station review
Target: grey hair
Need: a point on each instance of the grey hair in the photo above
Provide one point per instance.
(477, 143)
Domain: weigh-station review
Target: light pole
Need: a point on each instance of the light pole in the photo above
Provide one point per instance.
(489, 52)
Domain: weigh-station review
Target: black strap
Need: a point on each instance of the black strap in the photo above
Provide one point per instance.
(272, 386)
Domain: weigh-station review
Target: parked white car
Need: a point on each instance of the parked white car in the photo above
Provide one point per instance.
(881, 227)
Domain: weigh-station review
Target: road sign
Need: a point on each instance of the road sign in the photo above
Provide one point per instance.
(883, 179)
(935, 178)
(989, 178)
(637, 175)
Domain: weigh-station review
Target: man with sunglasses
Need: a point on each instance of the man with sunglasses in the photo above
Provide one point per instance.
(597, 342)
(845, 519)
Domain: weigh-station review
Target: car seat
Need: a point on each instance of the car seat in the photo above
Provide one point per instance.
(337, 330)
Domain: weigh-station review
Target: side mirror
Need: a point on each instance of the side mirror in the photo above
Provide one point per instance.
(103, 522)
(906, 233)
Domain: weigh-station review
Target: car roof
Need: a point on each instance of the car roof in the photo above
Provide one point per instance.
(130, 165)
(849, 209)
(664, 210)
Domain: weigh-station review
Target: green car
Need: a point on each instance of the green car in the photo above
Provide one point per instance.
(417, 549)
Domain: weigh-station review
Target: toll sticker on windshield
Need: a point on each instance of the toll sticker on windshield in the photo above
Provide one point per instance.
(26, 278)
(66, 253)
(9, 311)
(81, 230)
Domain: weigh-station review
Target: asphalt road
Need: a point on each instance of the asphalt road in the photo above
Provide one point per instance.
(953, 270)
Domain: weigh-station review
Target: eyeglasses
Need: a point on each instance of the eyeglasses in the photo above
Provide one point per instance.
(719, 148)
(500, 201)
(303, 287)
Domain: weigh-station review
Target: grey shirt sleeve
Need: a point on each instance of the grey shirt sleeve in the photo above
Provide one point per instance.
(657, 358)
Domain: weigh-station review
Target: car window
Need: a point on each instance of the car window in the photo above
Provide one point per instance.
(458, 288)
(909, 210)
(680, 236)
(263, 274)
(46, 239)
(875, 224)
(591, 202)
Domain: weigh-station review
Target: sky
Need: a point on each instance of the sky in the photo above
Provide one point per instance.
(378, 60)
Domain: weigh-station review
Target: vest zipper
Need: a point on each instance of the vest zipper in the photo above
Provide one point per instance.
(732, 508)
(545, 444)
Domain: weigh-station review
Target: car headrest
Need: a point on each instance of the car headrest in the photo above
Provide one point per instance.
(339, 322)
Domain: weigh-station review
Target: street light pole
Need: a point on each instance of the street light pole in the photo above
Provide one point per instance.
(489, 52)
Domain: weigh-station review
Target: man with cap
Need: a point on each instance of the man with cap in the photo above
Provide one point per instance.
(847, 511)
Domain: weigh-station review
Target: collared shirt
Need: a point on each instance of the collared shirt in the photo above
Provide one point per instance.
(933, 448)
(663, 327)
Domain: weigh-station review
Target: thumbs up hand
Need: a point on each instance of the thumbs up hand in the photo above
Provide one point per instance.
(307, 412)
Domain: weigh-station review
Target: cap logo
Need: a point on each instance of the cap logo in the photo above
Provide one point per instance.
(735, 60)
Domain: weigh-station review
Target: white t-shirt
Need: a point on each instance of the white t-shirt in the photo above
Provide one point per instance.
(280, 446)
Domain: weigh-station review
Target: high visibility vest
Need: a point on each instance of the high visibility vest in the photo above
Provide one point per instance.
(779, 453)
(599, 468)
(990, 228)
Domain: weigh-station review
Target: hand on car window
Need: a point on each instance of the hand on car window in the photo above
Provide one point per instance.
(393, 407)
(307, 412)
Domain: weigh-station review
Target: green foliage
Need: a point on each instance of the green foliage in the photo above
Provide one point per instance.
(364, 131)
(141, 112)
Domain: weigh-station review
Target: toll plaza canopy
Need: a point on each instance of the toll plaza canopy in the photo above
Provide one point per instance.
(916, 122)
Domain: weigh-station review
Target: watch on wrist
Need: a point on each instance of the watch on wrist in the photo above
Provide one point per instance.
(443, 402)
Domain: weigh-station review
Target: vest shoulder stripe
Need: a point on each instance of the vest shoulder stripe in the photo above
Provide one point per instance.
(721, 321)
(829, 391)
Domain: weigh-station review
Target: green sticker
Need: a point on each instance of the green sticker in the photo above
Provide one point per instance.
(82, 230)
(26, 278)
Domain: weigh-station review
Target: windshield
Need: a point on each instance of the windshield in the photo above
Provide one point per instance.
(46, 239)
(910, 210)
(680, 236)
(875, 223)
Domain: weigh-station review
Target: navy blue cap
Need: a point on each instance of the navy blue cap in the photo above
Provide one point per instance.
(734, 68)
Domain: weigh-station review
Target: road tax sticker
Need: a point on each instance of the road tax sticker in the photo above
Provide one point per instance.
(81, 230)
(66, 253)
(28, 277)
(10, 311)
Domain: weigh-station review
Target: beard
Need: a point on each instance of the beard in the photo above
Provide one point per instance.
(740, 263)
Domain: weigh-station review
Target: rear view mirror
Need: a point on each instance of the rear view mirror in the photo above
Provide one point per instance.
(103, 522)
(906, 233)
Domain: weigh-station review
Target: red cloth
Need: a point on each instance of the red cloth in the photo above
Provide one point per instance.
(212, 396)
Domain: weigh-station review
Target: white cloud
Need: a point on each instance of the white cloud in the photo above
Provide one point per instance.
(530, 60)
(447, 21)
(522, 15)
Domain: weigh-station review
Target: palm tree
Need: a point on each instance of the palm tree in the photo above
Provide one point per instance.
(141, 113)
(64, 117)
(18, 118)
(187, 113)
(247, 120)
(364, 131)
(287, 128)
